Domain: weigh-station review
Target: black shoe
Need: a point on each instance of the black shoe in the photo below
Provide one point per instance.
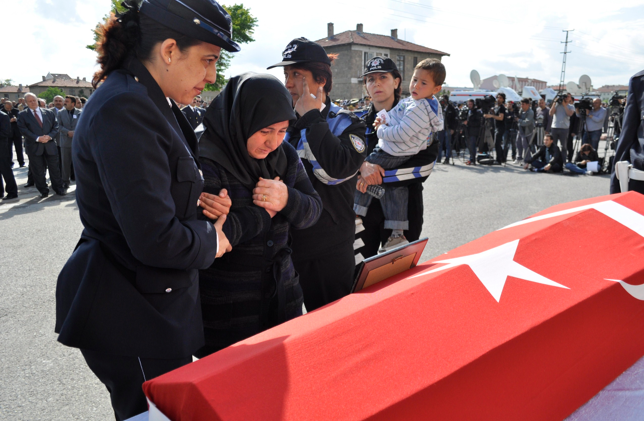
(446, 161)
(12, 164)
(62, 192)
(22, 165)
(10, 196)
(44, 195)
(29, 185)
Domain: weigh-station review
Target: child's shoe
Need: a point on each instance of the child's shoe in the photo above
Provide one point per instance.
(393, 242)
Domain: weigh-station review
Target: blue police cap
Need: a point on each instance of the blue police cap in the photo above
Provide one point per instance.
(204, 20)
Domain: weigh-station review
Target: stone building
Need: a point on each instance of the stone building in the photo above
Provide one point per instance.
(355, 48)
(77, 87)
(13, 92)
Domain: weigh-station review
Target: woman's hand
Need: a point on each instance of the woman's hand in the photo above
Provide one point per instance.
(222, 240)
(371, 173)
(215, 206)
(306, 102)
(271, 195)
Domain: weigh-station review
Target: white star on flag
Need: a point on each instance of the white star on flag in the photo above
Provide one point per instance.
(493, 266)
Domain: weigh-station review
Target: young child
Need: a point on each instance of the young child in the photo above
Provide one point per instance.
(402, 133)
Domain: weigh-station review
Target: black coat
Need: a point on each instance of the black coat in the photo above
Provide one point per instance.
(630, 146)
(131, 286)
(15, 131)
(556, 160)
(194, 117)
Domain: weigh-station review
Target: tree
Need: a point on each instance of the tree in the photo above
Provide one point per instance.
(6, 82)
(50, 93)
(243, 29)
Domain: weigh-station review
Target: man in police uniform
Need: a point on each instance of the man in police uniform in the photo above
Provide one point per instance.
(193, 113)
(631, 140)
(331, 145)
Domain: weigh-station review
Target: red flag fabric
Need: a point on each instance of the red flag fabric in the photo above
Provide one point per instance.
(528, 322)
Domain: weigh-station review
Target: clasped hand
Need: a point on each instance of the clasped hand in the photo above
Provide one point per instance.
(272, 195)
(370, 174)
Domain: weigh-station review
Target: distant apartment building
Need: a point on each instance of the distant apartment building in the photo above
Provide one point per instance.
(69, 85)
(13, 92)
(607, 91)
(355, 48)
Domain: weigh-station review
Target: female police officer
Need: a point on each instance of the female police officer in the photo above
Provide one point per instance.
(331, 144)
(128, 296)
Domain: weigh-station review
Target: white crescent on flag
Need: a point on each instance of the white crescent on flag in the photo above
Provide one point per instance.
(619, 213)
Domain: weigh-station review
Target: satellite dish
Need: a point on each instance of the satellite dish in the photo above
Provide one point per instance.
(503, 81)
(572, 87)
(496, 84)
(475, 78)
(585, 83)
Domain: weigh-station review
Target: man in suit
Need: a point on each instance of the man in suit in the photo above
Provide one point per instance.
(5, 167)
(193, 113)
(15, 140)
(67, 120)
(39, 127)
(58, 106)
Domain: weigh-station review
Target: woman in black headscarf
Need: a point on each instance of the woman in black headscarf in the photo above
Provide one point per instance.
(254, 287)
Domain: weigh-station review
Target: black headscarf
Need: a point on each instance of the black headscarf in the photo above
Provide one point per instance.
(247, 104)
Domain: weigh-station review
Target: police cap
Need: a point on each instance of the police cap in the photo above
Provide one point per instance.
(204, 20)
(380, 65)
(301, 50)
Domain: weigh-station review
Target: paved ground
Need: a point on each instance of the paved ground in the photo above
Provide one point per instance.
(43, 380)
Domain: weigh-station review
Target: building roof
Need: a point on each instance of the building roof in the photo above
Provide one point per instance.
(611, 88)
(10, 89)
(375, 40)
(62, 81)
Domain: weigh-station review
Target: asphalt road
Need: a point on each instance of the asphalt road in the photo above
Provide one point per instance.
(41, 379)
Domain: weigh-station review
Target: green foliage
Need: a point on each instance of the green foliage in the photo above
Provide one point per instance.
(116, 8)
(50, 93)
(244, 25)
(6, 82)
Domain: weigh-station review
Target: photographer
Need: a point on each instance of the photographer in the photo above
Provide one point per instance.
(543, 118)
(445, 135)
(594, 123)
(473, 123)
(498, 115)
(630, 146)
(511, 128)
(547, 159)
(526, 130)
(560, 112)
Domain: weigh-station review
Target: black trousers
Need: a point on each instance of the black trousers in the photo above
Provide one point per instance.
(124, 376)
(498, 145)
(16, 142)
(39, 164)
(6, 172)
(375, 233)
(326, 278)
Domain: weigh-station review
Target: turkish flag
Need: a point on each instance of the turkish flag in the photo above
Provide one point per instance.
(528, 322)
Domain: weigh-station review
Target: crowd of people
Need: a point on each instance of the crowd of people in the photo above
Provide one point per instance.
(46, 131)
(543, 136)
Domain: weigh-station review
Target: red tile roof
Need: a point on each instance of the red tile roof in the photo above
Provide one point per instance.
(13, 89)
(375, 40)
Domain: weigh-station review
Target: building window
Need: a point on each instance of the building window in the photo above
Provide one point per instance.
(367, 56)
(415, 61)
(401, 66)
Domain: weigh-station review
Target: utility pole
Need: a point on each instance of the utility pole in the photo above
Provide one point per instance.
(563, 65)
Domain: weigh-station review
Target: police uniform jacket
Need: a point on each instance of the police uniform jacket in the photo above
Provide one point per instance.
(340, 154)
(194, 115)
(131, 286)
(630, 146)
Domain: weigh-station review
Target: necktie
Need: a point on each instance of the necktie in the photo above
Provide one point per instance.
(38, 119)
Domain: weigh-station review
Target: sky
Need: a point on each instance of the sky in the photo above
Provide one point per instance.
(513, 38)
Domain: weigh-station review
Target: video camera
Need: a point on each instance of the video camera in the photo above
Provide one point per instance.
(486, 103)
(559, 99)
(616, 100)
(584, 104)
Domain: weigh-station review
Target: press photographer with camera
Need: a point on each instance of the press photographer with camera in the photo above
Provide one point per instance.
(511, 128)
(561, 111)
(630, 146)
(543, 118)
(445, 135)
(498, 115)
(594, 122)
(473, 124)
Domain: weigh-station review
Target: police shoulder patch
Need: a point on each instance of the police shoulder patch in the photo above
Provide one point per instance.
(357, 143)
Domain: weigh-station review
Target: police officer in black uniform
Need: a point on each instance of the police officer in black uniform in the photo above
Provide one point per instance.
(331, 145)
(630, 146)
(128, 297)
